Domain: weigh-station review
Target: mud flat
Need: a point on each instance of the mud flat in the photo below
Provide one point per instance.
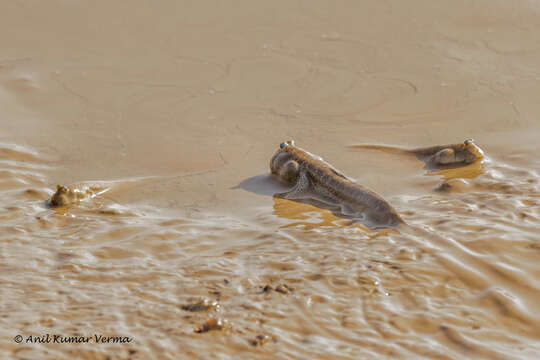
(175, 108)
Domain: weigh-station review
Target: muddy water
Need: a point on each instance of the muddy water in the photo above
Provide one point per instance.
(173, 110)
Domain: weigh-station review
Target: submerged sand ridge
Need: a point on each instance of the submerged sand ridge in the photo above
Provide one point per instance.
(176, 108)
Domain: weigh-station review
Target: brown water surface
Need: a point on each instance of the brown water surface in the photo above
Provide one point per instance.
(172, 110)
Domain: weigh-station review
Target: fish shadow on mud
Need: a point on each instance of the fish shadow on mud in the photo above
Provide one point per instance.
(268, 185)
(265, 184)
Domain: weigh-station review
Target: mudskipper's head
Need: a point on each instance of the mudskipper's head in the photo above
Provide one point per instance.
(472, 151)
(283, 164)
(59, 198)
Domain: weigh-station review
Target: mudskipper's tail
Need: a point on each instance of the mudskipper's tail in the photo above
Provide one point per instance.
(385, 148)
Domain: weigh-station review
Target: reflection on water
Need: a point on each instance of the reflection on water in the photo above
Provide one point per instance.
(309, 216)
(470, 171)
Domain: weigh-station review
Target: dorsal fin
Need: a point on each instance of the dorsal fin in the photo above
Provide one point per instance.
(335, 171)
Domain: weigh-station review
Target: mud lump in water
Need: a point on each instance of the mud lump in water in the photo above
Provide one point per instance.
(66, 196)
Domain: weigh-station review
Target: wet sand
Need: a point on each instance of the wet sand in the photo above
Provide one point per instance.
(175, 110)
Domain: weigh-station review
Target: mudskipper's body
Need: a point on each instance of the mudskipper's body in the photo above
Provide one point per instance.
(437, 156)
(464, 153)
(314, 178)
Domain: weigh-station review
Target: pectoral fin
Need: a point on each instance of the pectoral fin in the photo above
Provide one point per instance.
(299, 190)
(445, 157)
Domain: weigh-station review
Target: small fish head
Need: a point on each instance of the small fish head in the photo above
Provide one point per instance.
(473, 152)
(283, 163)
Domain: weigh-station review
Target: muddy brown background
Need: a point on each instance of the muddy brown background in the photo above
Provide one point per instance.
(175, 108)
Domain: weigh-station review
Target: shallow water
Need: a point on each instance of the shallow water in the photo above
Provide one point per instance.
(171, 113)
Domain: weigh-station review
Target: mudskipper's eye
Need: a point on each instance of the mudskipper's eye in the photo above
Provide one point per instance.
(282, 145)
(467, 142)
